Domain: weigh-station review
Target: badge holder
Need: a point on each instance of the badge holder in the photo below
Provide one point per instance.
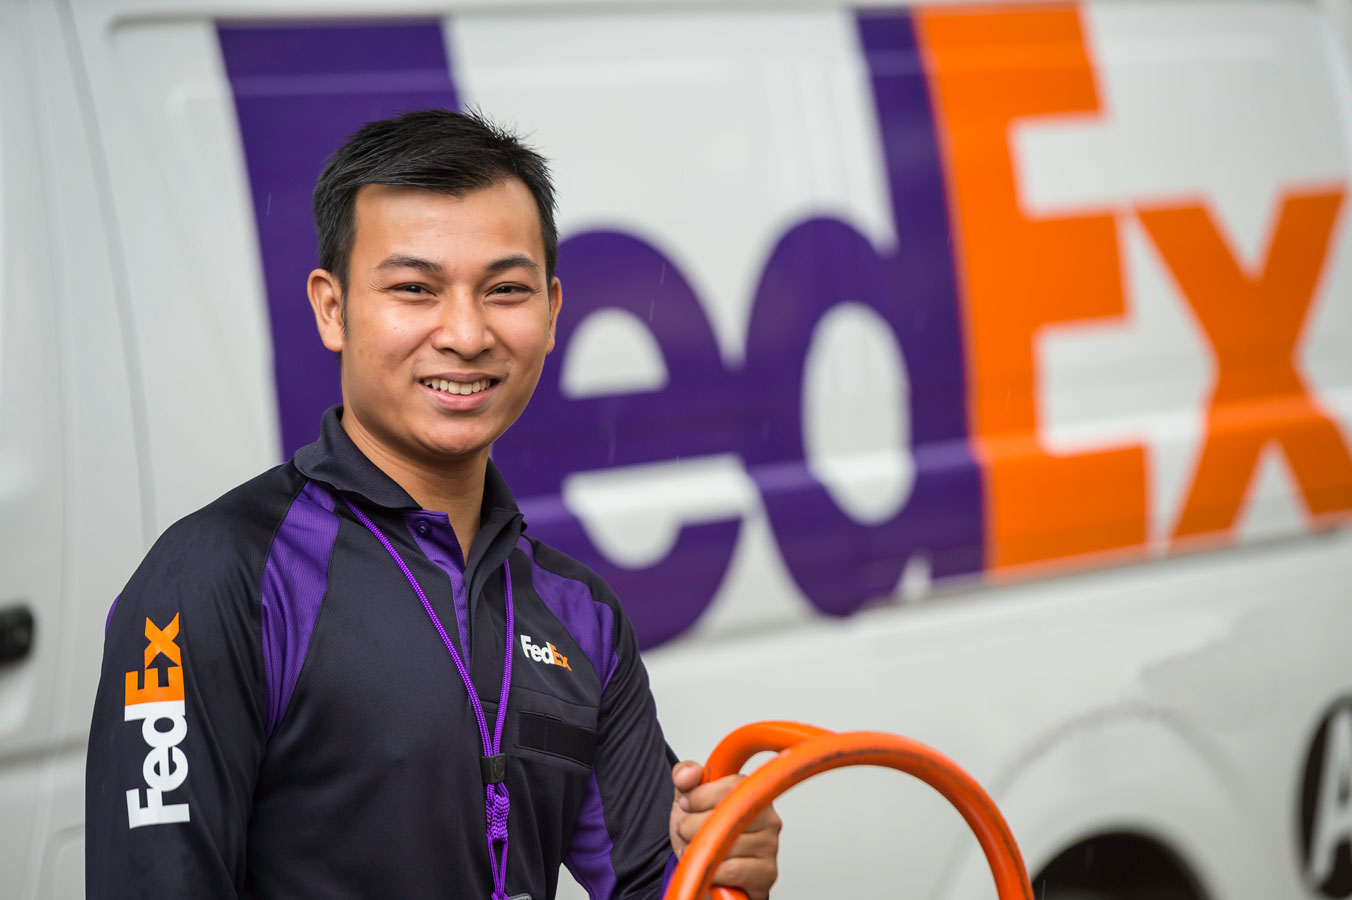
(807, 751)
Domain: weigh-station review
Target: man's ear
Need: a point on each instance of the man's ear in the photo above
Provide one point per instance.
(555, 304)
(326, 299)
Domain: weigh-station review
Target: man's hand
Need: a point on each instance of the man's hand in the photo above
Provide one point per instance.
(751, 863)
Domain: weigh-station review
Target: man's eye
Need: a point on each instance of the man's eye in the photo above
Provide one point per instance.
(508, 290)
(411, 289)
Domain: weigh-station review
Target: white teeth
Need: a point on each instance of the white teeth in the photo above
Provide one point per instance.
(455, 387)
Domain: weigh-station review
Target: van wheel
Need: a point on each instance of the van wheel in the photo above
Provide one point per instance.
(1117, 866)
(1109, 894)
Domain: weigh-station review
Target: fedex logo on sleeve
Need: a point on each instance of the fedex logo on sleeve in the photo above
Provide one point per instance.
(154, 704)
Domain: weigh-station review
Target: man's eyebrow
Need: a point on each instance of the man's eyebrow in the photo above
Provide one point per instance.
(516, 260)
(399, 261)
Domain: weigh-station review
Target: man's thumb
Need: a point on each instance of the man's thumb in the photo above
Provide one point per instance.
(686, 775)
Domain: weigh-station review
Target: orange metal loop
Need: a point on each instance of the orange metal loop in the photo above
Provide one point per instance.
(808, 751)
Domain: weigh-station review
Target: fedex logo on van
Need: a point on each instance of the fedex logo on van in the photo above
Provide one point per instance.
(981, 279)
(154, 705)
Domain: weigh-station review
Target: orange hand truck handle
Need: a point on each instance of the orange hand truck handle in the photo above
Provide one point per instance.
(807, 751)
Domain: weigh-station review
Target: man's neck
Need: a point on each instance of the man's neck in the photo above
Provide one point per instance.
(455, 487)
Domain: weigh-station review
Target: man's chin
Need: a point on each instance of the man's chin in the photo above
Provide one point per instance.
(452, 448)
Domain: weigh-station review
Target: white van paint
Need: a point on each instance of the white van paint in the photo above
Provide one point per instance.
(1174, 695)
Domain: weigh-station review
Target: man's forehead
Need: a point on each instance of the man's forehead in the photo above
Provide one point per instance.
(507, 195)
(505, 207)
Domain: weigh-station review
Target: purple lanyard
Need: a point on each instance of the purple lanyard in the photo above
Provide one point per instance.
(493, 764)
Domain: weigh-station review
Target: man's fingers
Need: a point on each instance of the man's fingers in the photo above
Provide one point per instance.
(745, 870)
(761, 845)
(755, 876)
(766, 820)
(685, 827)
(705, 797)
(686, 776)
(762, 833)
(751, 862)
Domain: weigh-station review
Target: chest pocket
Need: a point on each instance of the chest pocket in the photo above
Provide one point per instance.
(554, 732)
(556, 737)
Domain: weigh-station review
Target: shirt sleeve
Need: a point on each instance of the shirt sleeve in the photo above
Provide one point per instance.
(177, 731)
(632, 779)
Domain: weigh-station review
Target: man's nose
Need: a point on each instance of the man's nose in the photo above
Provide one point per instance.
(462, 326)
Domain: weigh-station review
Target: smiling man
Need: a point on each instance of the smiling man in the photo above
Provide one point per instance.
(358, 675)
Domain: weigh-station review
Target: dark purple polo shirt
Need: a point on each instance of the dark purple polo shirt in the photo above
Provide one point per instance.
(278, 718)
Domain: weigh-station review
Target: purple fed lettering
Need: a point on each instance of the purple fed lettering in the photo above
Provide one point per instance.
(840, 563)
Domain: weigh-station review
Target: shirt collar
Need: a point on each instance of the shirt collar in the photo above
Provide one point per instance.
(337, 462)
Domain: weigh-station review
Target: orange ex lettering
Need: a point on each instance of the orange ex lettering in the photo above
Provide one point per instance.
(165, 767)
(1253, 320)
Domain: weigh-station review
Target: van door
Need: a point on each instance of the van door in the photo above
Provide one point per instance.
(31, 553)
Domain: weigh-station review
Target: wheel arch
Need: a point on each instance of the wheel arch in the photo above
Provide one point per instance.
(1121, 865)
(1128, 779)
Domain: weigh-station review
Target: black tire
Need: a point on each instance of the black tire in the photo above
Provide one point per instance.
(1116, 866)
(1082, 893)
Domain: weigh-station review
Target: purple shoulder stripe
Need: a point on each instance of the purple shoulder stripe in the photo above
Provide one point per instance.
(108, 621)
(588, 856)
(294, 581)
(590, 622)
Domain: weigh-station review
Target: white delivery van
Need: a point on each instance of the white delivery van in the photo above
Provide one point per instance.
(978, 373)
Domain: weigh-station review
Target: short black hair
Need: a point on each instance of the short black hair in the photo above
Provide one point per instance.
(435, 149)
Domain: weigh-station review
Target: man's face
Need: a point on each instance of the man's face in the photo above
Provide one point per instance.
(448, 317)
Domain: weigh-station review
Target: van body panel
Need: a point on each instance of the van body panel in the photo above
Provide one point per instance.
(978, 373)
(191, 265)
(33, 494)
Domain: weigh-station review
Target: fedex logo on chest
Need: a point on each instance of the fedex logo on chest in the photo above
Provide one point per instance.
(548, 654)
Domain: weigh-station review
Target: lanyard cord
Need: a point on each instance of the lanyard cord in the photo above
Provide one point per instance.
(493, 764)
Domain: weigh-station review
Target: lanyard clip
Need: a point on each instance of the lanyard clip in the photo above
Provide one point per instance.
(493, 768)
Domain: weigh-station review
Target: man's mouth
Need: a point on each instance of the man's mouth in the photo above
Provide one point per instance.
(456, 387)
